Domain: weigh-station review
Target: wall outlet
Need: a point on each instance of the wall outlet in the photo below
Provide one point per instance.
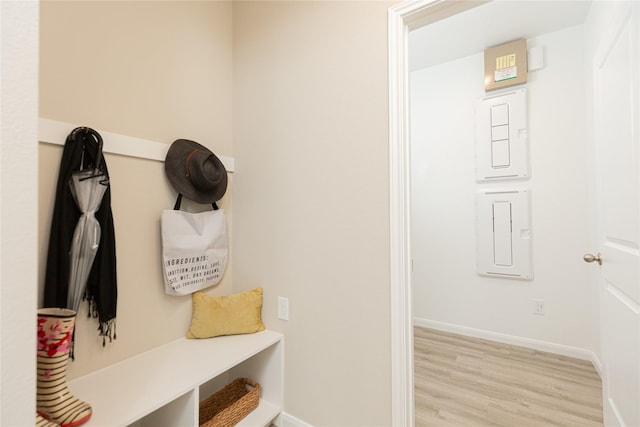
(283, 308)
(538, 307)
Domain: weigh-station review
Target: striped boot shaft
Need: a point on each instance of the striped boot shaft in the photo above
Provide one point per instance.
(54, 400)
(43, 422)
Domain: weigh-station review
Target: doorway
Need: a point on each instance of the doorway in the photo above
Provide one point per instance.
(549, 308)
(405, 18)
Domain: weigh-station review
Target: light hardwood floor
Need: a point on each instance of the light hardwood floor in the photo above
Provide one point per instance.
(462, 381)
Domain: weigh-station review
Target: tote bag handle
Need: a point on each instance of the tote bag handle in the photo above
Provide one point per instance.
(176, 207)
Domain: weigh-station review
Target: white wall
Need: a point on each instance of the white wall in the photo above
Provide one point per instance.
(311, 203)
(446, 286)
(18, 210)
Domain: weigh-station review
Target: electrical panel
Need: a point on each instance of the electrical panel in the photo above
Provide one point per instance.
(502, 148)
(504, 233)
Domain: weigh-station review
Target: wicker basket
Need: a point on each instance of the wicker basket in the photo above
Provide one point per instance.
(227, 407)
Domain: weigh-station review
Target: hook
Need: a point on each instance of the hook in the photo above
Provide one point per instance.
(95, 135)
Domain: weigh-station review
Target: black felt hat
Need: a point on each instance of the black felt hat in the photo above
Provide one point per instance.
(195, 172)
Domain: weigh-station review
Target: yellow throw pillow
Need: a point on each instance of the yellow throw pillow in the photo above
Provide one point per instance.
(226, 315)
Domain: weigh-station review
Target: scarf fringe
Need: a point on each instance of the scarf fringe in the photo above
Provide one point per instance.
(106, 329)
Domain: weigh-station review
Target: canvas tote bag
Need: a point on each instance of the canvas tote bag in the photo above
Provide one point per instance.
(194, 249)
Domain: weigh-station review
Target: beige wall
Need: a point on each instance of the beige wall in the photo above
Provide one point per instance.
(310, 191)
(151, 69)
(311, 207)
(154, 70)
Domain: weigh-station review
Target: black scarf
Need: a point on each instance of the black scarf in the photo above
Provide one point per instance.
(82, 150)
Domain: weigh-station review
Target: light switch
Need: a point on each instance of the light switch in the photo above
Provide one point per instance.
(283, 308)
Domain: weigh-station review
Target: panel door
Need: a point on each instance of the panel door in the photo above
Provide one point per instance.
(616, 106)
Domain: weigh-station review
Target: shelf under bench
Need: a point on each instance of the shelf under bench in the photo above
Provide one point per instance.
(164, 385)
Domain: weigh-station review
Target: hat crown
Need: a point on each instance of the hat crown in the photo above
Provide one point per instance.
(201, 169)
(195, 172)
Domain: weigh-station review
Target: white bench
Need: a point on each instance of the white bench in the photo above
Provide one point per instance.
(163, 386)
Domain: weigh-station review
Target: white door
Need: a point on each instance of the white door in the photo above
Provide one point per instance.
(616, 78)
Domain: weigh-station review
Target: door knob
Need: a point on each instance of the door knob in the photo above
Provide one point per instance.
(591, 258)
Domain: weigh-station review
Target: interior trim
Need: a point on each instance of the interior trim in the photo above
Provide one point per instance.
(55, 132)
(402, 18)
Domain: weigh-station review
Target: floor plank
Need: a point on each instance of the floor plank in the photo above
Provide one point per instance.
(465, 381)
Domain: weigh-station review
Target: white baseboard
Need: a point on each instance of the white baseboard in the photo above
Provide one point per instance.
(565, 350)
(288, 420)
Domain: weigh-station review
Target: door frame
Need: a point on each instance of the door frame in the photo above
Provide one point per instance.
(18, 210)
(402, 18)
